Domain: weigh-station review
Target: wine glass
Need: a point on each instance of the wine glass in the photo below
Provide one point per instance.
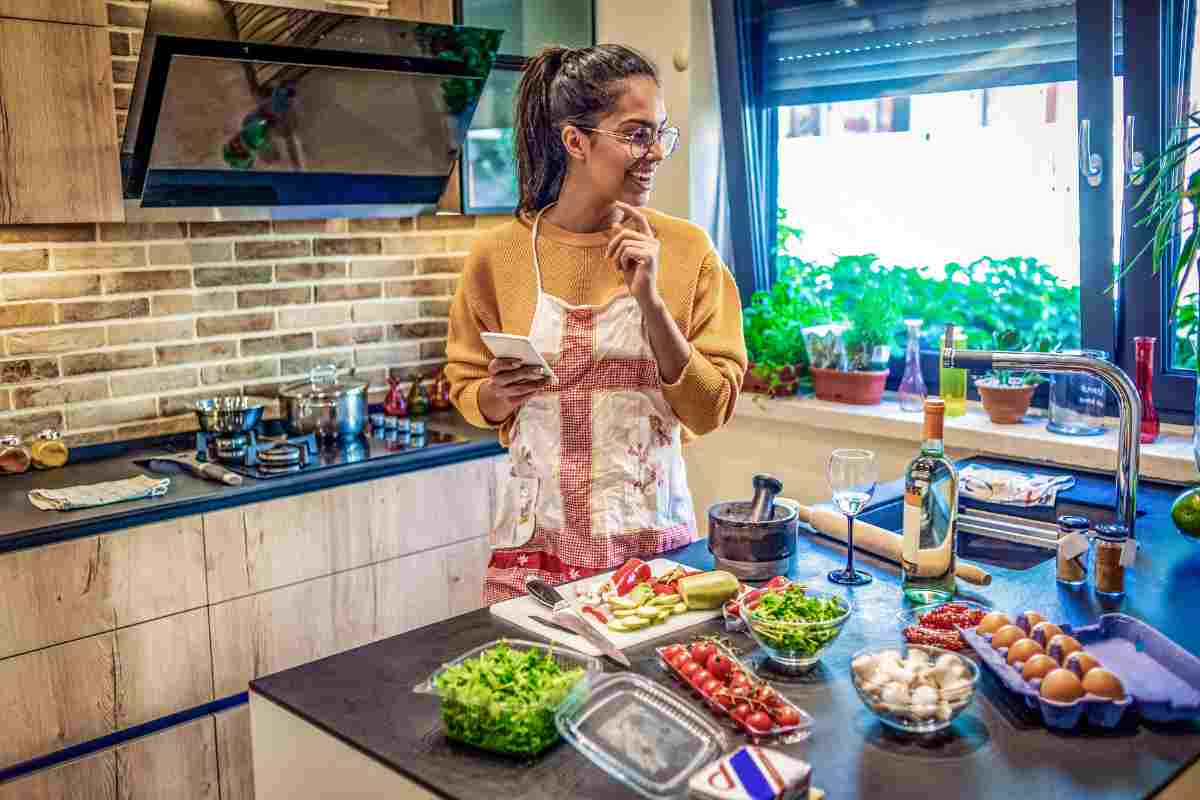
(853, 475)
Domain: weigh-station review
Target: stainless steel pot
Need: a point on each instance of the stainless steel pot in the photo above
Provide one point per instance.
(325, 405)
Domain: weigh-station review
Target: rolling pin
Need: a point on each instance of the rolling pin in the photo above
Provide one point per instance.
(876, 540)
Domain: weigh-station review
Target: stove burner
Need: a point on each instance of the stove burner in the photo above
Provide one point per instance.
(280, 455)
(271, 470)
(231, 448)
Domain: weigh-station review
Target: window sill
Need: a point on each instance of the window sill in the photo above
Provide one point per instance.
(1169, 459)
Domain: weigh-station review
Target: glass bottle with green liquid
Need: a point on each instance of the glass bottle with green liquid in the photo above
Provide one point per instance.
(953, 382)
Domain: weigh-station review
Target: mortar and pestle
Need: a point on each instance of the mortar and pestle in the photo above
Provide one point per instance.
(755, 540)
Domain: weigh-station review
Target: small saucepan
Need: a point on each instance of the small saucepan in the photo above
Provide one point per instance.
(229, 415)
(326, 405)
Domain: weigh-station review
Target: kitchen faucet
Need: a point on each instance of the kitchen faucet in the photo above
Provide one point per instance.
(1128, 400)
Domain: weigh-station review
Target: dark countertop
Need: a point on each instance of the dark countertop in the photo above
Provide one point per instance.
(996, 749)
(22, 525)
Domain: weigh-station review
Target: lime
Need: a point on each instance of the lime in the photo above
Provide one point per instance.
(1186, 512)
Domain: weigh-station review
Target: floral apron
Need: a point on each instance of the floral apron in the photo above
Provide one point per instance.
(594, 473)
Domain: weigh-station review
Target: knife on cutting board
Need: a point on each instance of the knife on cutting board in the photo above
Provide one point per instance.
(563, 614)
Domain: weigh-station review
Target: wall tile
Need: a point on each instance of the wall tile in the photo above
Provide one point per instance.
(146, 280)
(139, 232)
(412, 372)
(310, 271)
(28, 370)
(59, 394)
(258, 250)
(387, 356)
(87, 363)
(241, 371)
(385, 312)
(194, 353)
(164, 305)
(89, 438)
(387, 268)
(20, 315)
(294, 227)
(50, 288)
(318, 317)
(202, 230)
(418, 330)
(435, 308)
(344, 337)
(232, 276)
(98, 415)
(159, 427)
(301, 365)
(19, 234)
(343, 292)
(177, 404)
(191, 253)
(294, 296)
(421, 287)
(109, 309)
(234, 323)
(32, 424)
(24, 260)
(414, 245)
(433, 350)
(276, 344)
(150, 332)
(447, 265)
(444, 222)
(349, 247)
(142, 383)
(382, 225)
(59, 340)
(78, 258)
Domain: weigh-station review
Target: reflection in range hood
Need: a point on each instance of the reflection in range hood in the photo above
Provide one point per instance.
(243, 109)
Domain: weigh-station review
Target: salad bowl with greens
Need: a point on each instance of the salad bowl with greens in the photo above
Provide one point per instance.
(794, 625)
(502, 696)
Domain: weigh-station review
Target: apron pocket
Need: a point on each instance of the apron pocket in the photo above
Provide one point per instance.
(514, 522)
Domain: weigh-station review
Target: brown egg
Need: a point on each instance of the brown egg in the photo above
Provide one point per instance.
(1038, 666)
(1061, 686)
(993, 622)
(1028, 619)
(1023, 650)
(1043, 632)
(1103, 683)
(1006, 636)
(1062, 646)
(1081, 663)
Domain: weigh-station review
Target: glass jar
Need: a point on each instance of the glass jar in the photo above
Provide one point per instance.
(1108, 567)
(418, 398)
(49, 451)
(912, 385)
(1077, 400)
(1143, 348)
(952, 382)
(14, 456)
(1072, 553)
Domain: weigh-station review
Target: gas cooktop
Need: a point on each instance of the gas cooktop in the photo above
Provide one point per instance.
(269, 452)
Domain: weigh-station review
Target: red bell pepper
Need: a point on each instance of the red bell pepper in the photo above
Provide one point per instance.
(630, 574)
(666, 588)
(595, 612)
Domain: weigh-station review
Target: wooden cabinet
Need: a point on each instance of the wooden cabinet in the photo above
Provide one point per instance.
(90, 778)
(180, 763)
(58, 140)
(77, 12)
(234, 761)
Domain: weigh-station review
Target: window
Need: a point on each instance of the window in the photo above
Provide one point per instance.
(489, 170)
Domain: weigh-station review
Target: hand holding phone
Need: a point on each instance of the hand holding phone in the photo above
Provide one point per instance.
(516, 348)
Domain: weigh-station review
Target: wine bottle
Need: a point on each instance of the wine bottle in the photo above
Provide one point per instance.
(930, 510)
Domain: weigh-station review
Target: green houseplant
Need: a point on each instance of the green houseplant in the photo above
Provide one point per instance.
(1006, 394)
(772, 325)
(874, 318)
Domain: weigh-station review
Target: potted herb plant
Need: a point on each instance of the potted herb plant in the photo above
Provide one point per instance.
(772, 326)
(1006, 394)
(862, 375)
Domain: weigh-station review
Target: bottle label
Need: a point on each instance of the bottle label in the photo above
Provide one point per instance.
(912, 529)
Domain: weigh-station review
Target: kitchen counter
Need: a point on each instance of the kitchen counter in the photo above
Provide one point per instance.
(23, 526)
(362, 700)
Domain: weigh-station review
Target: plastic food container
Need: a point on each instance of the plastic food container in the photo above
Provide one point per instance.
(641, 734)
(776, 638)
(903, 717)
(512, 728)
(1161, 679)
(804, 720)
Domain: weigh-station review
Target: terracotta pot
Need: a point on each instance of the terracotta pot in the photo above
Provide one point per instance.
(788, 385)
(858, 388)
(1005, 405)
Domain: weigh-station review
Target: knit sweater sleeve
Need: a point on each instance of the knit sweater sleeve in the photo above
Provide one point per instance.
(474, 309)
(705, 395)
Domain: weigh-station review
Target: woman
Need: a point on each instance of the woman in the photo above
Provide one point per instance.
(633, 309)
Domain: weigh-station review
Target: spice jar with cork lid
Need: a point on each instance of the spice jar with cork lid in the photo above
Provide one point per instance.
(1112, 551)
(14, 456)
(1073, 547)
(49, 451)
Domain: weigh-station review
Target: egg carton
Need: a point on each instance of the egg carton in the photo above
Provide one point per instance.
(1161, 679)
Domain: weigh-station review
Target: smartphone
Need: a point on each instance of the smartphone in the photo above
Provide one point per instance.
(520, 348)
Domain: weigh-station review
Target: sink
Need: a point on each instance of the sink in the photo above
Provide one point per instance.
(984, 537)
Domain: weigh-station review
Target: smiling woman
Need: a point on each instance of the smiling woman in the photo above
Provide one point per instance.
(634, 311)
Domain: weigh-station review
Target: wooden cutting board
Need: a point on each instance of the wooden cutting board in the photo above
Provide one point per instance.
(518, 610)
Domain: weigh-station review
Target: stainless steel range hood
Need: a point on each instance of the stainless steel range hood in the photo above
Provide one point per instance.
(243, 110)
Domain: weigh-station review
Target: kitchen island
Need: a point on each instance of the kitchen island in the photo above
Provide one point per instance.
(350, 724)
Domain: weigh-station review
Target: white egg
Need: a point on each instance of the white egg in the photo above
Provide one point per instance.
(924, 696)
(896, 694)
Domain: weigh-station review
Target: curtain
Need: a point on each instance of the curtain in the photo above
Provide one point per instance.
(749, 141)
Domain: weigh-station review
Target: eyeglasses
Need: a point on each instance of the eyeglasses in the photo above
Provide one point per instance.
(641, 140)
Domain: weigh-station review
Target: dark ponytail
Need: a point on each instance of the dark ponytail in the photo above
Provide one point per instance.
(562, 87)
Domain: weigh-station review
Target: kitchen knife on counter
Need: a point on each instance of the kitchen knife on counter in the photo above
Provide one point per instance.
(189, 463)
(568, 617)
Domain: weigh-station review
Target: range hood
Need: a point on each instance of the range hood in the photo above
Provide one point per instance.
(245, 110)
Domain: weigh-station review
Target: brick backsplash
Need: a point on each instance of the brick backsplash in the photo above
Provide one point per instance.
(108, 331)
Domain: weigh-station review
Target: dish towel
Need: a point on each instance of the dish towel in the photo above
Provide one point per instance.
(99, 494)
(1011, 488)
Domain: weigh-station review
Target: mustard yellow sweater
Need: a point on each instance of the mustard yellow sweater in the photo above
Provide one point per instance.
(498, 292)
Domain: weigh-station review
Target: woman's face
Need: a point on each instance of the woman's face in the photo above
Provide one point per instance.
(608, 164)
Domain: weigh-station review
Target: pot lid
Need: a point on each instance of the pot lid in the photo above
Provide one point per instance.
(324, 384)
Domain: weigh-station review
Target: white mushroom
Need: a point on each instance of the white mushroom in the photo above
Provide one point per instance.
(916, 658)
(864, 666)
(896, 694)
(943, 711)
(924, 696)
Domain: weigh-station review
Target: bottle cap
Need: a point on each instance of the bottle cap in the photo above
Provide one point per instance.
(1112, 532)
(935, 414)
(1069, 522)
